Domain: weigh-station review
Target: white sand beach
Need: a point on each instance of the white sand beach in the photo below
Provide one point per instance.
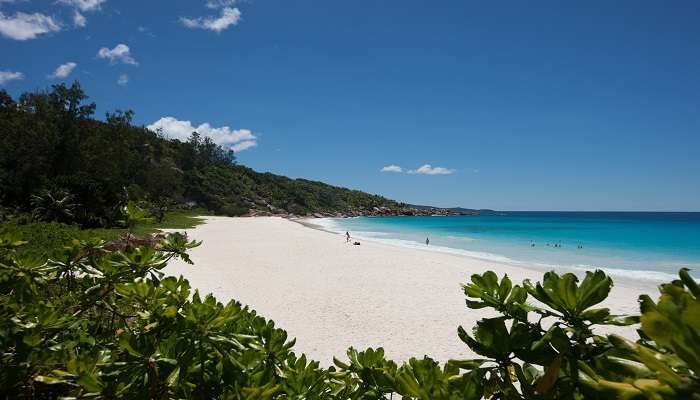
(330, 295)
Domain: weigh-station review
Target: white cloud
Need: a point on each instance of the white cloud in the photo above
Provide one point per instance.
(214, 4)
(244, 145)
(63, 70)
(392, 168)
(123, 80)
(83, 5)
(80, 6)
(120, 52)
(425, 169)
(145, 31)
(7, 76)
(428, 169)
(229, 16)
(235, 139)
(23, 26)
(79, 20)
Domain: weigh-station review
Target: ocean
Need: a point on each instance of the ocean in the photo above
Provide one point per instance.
(639, 245)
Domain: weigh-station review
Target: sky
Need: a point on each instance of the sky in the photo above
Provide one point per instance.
(505, 105)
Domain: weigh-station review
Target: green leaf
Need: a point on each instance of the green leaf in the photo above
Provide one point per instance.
(689, 282)
(466, 364)
(173, 377)
(596, 315)
(124, 343)
(170, 312)
(594, 289)
(49, 380)
(622, 320)
(32, 340)
(90, 383)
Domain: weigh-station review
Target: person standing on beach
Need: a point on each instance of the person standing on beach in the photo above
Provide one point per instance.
(347, 237)
(427, 241)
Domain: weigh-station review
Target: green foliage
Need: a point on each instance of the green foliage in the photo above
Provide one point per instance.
(54, 152)
(44, 238)
(54, 206)
(550, 350)
(668, 360)
(133, 215)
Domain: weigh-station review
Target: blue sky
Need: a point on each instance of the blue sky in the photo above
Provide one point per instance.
(587, 106)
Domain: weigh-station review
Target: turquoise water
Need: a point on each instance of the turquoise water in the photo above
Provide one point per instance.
(639, 245)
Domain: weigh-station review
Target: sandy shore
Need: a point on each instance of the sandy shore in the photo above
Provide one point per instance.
(330, 295)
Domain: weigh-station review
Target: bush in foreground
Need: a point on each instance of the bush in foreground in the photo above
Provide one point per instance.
(101, 321)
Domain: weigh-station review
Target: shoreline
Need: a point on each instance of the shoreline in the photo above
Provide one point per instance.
(330, 295)
(633, 276)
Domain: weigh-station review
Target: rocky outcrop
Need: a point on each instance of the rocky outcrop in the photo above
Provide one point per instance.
(374, 212)
(259, 207)
(403, 211)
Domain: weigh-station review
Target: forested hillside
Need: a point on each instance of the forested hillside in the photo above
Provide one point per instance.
(57, 159)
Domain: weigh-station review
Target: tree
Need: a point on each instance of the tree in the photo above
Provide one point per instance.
(56, 205)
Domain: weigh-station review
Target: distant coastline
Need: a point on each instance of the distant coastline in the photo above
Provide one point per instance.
(377, 211)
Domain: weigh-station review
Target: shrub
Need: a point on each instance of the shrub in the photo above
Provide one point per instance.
(101, 320)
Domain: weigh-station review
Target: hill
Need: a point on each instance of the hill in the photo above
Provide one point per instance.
(58, 160)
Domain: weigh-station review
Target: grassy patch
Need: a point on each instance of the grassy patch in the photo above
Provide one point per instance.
(174, 220)
(44, 238)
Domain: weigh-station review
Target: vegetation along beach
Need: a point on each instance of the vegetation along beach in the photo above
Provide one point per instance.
(225, 199)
